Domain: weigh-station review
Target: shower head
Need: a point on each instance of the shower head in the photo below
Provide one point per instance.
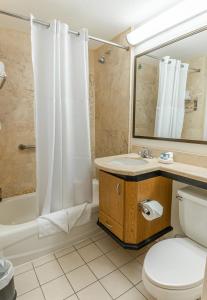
(2, 75)
(101, 59)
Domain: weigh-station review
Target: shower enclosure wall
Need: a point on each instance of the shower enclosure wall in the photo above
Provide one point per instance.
(18, 211)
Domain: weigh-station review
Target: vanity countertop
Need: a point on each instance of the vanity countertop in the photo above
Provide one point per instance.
(177, 168)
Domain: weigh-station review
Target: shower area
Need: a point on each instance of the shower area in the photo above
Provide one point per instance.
(20, 207)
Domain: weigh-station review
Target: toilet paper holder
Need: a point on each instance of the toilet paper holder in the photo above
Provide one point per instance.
(144, 209)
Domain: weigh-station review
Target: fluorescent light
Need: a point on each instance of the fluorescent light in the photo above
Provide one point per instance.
(178, 14)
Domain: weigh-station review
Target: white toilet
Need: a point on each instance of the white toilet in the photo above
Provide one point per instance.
(174, 268)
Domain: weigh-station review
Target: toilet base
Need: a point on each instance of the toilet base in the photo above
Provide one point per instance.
(166, 294)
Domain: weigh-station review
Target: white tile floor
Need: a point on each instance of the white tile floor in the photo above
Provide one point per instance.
(96, 268)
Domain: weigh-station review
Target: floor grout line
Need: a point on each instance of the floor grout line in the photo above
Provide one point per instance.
(57, 258)
(141, 292)
(67, 280)
(39, 282)
(99, 279)
(74, 249)
(125, 292)
(37, 287)
(95, 274)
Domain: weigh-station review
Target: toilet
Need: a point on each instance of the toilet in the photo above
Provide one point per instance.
(174, 268)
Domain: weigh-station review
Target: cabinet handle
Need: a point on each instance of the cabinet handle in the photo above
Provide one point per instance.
(118, 188)
(109, 226)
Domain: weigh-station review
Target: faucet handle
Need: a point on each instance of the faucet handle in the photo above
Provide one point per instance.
(145, 153)
(150, 153)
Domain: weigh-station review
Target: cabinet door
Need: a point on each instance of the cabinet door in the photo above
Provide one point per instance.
(160, 189)
(112, 196)
(137, 228)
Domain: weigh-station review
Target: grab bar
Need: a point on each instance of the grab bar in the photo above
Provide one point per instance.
(25, 147)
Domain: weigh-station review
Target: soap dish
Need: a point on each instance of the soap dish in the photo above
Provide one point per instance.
(166, 161)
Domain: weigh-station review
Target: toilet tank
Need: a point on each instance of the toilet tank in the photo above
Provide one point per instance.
(193, 213)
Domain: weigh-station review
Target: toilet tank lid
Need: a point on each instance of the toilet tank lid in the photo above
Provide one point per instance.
(194, 194)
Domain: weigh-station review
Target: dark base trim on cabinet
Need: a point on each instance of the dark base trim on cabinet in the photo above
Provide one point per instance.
(139, 245)
(183, 179)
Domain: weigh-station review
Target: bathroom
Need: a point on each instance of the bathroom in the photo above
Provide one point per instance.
(103, 138)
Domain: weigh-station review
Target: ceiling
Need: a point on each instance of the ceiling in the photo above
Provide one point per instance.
(104, 19)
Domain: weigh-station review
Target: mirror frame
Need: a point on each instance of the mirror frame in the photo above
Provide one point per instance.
(172, 41)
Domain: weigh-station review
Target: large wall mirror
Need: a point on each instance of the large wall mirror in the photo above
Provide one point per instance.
(170, 91)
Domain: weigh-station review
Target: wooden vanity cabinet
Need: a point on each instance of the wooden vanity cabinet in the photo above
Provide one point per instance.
(119, 206)
(112, 194)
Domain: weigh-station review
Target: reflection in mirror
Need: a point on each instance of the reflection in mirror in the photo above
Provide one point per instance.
(171, 91)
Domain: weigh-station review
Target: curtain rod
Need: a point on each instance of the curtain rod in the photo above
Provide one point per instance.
(25, 18)
(158, 58)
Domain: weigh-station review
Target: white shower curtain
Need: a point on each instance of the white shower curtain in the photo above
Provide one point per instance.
(171, 98)
(63, 156)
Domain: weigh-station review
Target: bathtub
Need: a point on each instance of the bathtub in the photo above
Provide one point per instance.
(19, 239)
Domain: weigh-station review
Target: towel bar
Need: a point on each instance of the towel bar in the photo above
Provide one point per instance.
(25, 147)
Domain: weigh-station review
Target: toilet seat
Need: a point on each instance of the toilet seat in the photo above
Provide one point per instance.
(177, 263)
(174, 269)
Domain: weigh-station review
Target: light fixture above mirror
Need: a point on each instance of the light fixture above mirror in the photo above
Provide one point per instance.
(180, 13)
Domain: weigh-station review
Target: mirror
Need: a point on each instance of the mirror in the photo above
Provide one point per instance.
(170, 92)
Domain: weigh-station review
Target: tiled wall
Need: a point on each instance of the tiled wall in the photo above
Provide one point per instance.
(112, 93)
(92, 103)
(186, 156)
(109, 89)
(17, 167)
(146, 97)
(17, 175)
(196, 84)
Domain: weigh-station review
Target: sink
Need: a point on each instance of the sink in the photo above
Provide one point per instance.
(128, 161)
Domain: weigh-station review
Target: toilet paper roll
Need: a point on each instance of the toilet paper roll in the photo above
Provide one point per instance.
(153, 210)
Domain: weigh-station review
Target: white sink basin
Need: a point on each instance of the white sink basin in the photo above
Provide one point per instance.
(128, 161)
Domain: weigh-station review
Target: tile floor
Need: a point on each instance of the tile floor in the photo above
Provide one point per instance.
(96, 268)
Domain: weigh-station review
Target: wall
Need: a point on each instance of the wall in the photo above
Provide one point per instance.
(146, 97)
(147, 93)
(92, 103)
(196, 84)
(112, 93)
(17, 167)
(109, 88)
(197, 152)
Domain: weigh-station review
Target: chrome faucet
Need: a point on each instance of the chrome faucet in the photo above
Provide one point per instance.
(145, 153)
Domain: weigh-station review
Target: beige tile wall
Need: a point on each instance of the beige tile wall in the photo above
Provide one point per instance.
(17, 167)
(112, 93)
(109, 87)
(146, 97)
(92, 103)
(196, 84)
(180, 155)
(17, 174)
